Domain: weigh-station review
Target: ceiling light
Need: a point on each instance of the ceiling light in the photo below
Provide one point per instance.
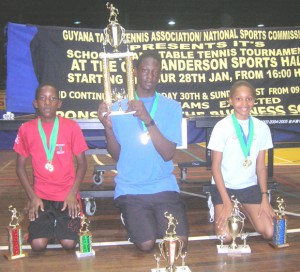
(171, 22)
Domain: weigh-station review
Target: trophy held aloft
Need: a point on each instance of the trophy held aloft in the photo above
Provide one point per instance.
(15, 236)
(114, 35)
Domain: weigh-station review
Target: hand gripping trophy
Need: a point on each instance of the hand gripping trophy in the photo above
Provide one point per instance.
(15, 235)
(114, 35)
(170, 247)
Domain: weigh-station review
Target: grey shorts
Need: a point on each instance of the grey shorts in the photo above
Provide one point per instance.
(144, 217)
(249, 195)
(54, 223)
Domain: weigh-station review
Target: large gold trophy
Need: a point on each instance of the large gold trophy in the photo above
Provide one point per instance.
(235, 225)
(15, 235)
(171, 248)
(280, 226)
(115, 36)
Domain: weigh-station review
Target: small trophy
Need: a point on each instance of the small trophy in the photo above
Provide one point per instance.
(15, 235)
(85, 238)
(280, 226)
(8, 116)
(118, 96)
(115, 36)
(235, 224)
(157, 259)
(170, 248)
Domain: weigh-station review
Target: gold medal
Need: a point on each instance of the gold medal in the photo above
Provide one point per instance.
(145, 138)
(247, 163)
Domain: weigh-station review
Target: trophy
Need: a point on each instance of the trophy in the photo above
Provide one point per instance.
(15, 235)
(280, 226)
(114, 34)
(8, 116)
(157, 259)
(170, 248)
(118, 96)
(85, 238)
(235, 225)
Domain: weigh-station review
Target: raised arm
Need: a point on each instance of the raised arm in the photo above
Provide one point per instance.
(113, 147)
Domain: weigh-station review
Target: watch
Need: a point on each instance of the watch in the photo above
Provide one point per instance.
(152, 123)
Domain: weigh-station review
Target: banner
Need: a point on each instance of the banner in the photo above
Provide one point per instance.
(198, 67)
(2, 101)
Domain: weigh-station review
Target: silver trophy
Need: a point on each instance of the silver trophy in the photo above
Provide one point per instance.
(118, 96)
(114, 32)
(115, 36)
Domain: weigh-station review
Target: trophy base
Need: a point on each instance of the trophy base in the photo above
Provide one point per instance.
(227, 250)
(85, 254)
(277, 246)
(178, 269)
(14, 257)
(114, 113)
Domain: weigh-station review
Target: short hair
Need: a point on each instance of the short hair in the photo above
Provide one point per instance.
(37, 91)
(240, 83)
(148, 54)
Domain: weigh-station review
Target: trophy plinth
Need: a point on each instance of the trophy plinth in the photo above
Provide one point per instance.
(85, 239)
(114, 35)
(171, 248)
(15, 236)
(280, 226)
(235, 224)
(240, 249)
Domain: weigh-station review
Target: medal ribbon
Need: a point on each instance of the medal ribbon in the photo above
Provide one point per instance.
(245, 143)
(53, 138)
(153, 108)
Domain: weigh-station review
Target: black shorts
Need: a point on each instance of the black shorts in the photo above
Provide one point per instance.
(249, 195)
(144, 217)
(54, 223)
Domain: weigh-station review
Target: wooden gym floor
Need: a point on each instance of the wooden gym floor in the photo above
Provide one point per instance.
(114, 253)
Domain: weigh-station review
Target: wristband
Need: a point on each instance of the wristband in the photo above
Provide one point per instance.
(264, 193)
(152, 123)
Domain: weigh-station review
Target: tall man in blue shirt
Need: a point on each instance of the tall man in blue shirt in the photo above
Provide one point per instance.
(143, 144)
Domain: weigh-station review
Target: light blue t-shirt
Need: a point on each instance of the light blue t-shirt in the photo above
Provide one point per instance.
(141, 169)
(224, 139)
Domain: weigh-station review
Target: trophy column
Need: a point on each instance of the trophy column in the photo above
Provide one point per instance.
(85, 239)
(15, 236)
(280, 226)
